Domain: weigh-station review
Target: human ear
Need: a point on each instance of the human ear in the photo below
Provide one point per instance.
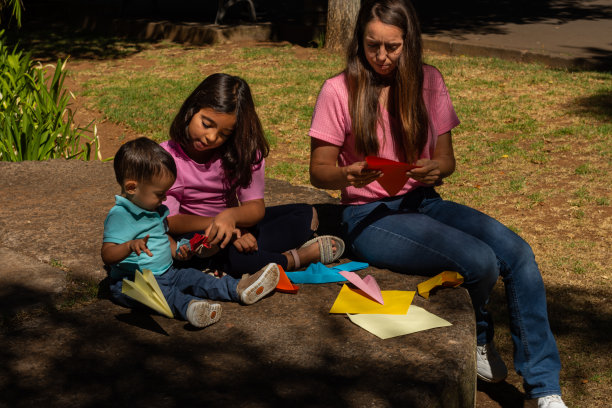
(130, 186)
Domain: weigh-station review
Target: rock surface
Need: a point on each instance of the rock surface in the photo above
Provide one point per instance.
(286, 350)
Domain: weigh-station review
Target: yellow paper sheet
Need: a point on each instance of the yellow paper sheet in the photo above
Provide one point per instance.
(145, 290)
(354, 301)
(387, 326)
(446, 278)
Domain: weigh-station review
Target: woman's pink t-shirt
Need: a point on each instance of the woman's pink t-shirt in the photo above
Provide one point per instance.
(331, 122)
(199, 189)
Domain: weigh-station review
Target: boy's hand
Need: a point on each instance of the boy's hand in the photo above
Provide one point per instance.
(183, 253)
(246, 242)
(140, 245)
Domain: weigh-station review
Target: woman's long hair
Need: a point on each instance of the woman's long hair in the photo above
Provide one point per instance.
(247, 146)
(406, 102)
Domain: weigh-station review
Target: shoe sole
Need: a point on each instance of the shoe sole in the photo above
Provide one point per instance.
(207, 314)
(262, 286)
(490, 380)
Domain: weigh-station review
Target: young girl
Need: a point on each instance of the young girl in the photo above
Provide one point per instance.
(219, 147)
(389, 104)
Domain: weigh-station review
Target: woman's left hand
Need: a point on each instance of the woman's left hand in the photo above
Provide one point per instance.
(428, 172)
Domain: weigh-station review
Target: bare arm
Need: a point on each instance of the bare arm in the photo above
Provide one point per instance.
(441, 165)
(324, 173)
(114, 253)
(225, 224)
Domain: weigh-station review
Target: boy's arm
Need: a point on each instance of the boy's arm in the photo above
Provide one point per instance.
(184, 252)
(114, 253)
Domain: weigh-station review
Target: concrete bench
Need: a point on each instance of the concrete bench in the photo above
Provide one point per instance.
(286, 350)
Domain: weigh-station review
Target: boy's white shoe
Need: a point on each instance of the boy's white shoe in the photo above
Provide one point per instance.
(549, 401)
(200, 313)
(489, 365)
(252, 288)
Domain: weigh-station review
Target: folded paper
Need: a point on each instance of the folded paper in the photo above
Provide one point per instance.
(386, 326)
(367, 284)
(446, 278)
(316, 273)
(350, 266)
(355, 301)
(394, 173)
(284, 284)
(145, 290)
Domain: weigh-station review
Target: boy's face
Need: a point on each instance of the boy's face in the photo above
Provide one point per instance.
(150, 194)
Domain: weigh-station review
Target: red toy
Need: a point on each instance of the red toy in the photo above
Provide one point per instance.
(197, 241)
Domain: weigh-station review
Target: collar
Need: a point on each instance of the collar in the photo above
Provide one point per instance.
(162, 210)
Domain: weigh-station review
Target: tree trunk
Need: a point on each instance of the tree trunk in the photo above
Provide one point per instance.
(341, 17)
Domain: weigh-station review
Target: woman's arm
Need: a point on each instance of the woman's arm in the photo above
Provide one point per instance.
(441, 165)
(324, 173)
(224, 225)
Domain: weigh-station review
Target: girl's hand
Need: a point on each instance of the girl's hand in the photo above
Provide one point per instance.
(246, 242)
(427, 173)
(221, 230)
(139, 246)
(183, 253)
(358, 175)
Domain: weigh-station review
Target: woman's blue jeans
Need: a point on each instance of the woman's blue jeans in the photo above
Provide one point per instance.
(421, 234)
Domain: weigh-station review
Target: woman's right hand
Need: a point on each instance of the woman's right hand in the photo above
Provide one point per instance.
(358, 175)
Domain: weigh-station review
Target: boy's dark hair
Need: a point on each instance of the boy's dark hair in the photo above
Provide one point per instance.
(142, 159)
(247, 146)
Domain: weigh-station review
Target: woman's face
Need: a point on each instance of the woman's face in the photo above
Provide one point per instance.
(383, 44)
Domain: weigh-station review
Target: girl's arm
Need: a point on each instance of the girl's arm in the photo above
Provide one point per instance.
(225, 223)
(114, 253)
(432, 171)
(180, 224)
(324, 173)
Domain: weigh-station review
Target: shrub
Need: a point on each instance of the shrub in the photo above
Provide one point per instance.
(35, 121)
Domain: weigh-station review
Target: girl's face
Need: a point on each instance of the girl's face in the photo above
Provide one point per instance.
(383, 44)
(208, 130)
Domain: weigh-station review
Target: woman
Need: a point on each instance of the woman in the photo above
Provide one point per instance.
(387, 103)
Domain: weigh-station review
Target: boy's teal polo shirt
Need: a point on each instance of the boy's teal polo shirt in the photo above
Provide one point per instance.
(126, 221)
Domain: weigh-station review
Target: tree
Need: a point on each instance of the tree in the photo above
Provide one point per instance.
(341, 17)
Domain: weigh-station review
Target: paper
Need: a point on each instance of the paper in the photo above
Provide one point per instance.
(350, 266)
(446, 278)
(284, 284)
(197, 240)
(367, 284)
(354, 301)
(316, 273)
(394, 173)
(145, 290)
(386, 326)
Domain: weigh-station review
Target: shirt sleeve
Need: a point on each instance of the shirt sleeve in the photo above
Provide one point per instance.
(255, 191)
(328, 119)
(116, 230)
(441, 111)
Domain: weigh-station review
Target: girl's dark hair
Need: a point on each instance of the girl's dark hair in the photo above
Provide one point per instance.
(247, 146)
(406, 102)
(142, 159)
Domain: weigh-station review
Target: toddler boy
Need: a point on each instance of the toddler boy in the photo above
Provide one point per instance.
(136, 237)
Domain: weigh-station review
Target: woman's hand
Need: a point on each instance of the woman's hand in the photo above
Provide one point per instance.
(428, 172)
(221, 230)
(246, 242)
(358, 175)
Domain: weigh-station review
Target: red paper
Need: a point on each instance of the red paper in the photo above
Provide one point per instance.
(394, 173)
(197, 240)
(284, 284)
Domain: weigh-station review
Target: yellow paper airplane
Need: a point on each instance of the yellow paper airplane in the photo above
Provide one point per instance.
(145, 290)
(356, 301)
(446, 278)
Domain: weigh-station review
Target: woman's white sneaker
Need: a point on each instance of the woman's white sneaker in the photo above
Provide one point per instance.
(489, 365)
(549, 401)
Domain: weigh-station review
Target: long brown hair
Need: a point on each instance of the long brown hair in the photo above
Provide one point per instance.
(247, 146)
(406, 102)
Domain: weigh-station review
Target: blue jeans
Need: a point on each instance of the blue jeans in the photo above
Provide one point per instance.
(419, 233)
(181, 286)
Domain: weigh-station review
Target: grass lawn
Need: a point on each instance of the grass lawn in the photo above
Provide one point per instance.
(534, 150)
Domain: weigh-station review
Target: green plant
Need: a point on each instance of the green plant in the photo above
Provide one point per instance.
(35, 121)
(14, 7)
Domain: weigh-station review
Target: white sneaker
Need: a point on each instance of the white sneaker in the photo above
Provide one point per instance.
(200, 313)
(549, 401)
(489, 365)
(252, 288)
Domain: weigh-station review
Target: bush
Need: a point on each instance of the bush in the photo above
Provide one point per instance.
(35, 121)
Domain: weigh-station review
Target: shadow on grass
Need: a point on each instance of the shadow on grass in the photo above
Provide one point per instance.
(597, 105)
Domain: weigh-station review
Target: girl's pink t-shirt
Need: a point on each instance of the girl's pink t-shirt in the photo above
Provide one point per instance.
(331, 122)
(199, 189)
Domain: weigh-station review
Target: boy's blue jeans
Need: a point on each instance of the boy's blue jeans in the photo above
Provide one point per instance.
(181, 286)
(419, 233)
